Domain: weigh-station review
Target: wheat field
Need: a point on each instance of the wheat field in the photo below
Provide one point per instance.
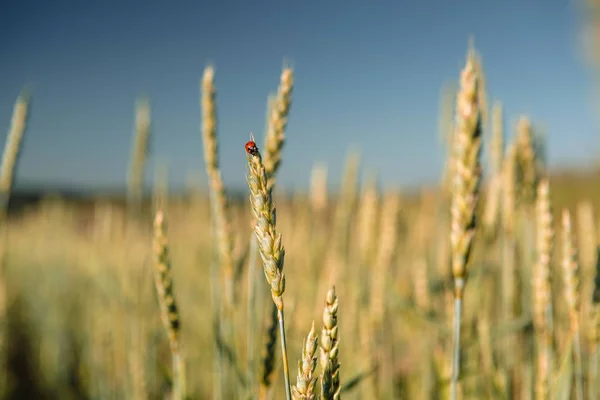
(484, 287)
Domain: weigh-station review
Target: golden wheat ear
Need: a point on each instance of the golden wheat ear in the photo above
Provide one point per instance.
(168, 306)
(330, 364)
(465, 196)
(305, 385)
(270, 245)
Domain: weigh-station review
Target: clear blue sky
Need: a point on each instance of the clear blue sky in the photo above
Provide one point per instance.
(367, 74)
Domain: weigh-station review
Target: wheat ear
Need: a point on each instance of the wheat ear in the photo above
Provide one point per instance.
(220, 208)
(465, 197)
(542, 293)
(305, 385)
(594, 333)
(139, 156)
(168, 307)
(10, 155)
(269, 245)
(570, 266)
(330, 365)
(12, 149)
(275, 135)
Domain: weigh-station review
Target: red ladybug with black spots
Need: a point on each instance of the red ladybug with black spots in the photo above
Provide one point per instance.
(251, 148)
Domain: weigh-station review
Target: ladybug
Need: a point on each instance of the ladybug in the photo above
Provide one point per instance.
(251, 148)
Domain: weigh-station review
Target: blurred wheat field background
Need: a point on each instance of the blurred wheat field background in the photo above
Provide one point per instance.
(486, 286)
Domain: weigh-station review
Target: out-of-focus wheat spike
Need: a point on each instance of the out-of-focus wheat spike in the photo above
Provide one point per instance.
(421, 284)
(465, 195)
(481, 90)
(542, 272)
(318, 187)
(305, 385)
(275, 135)
(12, 149)
(509, 190)
(347, 198)
(594, 333)
(388, 236)
(161, 186)
(586, 235)
(542, 290)
(219, 203)
(491, 211)
(492, 207)
(424, 229)
(446, 130)
(10, 156)
(168, 306)
(367, 219)
(344, 213)
(528, 171)
(570, 266)
(140, 152)
(497, 144)
(330, 365)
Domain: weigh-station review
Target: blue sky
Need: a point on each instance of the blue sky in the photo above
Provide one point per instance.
(367, 74)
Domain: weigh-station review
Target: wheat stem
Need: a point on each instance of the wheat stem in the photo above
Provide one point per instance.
(465, 197)
(168, 306)
(270, 245)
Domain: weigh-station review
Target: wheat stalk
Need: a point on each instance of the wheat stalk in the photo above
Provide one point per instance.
(594, 331)
(10, 155)
(168, 307)
(222, 239)
(271, 332)
(496, 153)
(465, 197)
(269, 245)
(542, 293)
(220, 208)
(570, 266)
(527, 167)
